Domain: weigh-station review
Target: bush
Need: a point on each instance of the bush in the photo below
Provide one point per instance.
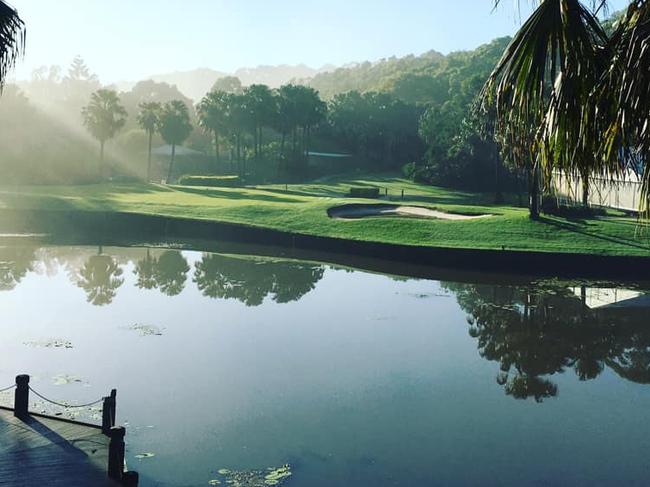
(365, 192)
(214, 181)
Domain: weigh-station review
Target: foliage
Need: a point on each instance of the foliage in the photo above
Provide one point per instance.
(174, 127)
(12, 39)
(214, 181)
(567, 96)
(377, 126)
(104, 116)
(228, 84)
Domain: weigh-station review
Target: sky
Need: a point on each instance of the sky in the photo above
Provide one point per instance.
(133, 39)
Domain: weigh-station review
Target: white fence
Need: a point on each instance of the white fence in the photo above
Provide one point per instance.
(622, 194)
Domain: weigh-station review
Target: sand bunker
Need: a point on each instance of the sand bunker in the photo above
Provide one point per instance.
(363, 211)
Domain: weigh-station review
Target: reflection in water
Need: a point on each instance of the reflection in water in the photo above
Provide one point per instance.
(15, 263)
(542, 329)
(532, 331)
(170, 272)
(365, 390)
(100, 277)
(167, 272)
(250, 281)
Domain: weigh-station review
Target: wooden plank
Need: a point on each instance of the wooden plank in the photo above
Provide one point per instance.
(46, 451)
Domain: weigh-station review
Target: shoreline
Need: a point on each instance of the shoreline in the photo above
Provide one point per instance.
(114, 227)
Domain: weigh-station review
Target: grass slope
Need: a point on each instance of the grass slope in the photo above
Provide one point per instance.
(302, 209)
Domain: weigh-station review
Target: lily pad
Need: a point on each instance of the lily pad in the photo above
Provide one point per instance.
(50, 343)
(65, 379)
(141, 456)
(256, 478)
(146, 330)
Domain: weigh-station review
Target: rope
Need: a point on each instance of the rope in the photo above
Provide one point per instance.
(7, 388)
(64, 405)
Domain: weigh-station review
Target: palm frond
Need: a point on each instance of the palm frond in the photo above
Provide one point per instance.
(12, 39)
(627, 86)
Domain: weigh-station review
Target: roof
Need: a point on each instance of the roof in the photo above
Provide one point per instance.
(166, 150)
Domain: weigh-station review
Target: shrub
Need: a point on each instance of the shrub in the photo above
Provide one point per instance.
(215, 181)
(365, 192)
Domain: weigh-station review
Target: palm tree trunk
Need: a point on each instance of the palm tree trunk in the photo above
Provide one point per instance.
(534, 194)
(101, 158)
(216, 145)
(171, 164)
(149, 156)
(498, 195)
(585, 189)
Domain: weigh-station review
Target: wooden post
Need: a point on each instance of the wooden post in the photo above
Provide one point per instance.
(130, 479)
(108, 412)
(21, 397)
(402, 194)
(116, 453)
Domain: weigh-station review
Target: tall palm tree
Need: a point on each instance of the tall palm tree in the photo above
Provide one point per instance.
(104, 117)
(149, 119)
(212, 112)
(568, 97)
(175, 127)
(12, 39)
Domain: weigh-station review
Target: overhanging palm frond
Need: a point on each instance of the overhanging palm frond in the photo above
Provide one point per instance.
(12, 39)
(540, 89)
(570, 140)
(627, 85)
(597, 6)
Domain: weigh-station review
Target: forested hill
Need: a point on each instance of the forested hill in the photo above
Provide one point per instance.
(413, 79)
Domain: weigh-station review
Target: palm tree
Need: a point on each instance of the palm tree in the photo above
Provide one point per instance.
(149, 119)
(568, 97)
(260, 104)
(12, 39)
(212, 112)
(175, 127)
(104, 116)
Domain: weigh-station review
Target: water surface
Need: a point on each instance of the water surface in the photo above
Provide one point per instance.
(352, 378)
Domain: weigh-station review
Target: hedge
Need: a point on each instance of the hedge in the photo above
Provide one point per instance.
(219, 181)
(365, 192)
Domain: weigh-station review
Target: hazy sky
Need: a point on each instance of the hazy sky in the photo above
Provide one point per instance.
(131, 39)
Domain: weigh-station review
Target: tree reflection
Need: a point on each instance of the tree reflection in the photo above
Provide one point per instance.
(167, 272)
(251, 281)
(15, 263)
(100, 277)
(145, 272)
(539, 330)
(171, 272)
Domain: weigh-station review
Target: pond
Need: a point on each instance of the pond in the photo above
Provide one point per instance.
(239, 364)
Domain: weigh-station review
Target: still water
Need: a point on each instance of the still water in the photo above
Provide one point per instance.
(352, 378)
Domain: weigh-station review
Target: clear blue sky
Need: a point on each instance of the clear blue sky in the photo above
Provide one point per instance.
(131, 39)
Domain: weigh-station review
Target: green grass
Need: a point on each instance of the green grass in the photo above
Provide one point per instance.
(302, 208)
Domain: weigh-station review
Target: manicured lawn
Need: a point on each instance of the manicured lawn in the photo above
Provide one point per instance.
(303, 209)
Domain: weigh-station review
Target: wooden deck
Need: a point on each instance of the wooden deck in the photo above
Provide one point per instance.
(49, 452)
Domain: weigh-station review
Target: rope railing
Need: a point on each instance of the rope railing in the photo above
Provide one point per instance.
(116, 434)
(7, 388)
(66, 405)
